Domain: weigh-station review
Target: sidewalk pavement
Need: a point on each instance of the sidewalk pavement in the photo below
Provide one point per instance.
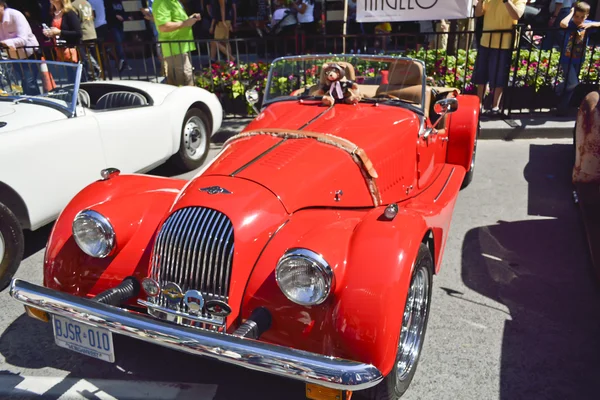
(518, 127)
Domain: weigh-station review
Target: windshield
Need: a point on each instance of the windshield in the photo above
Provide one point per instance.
(40, 82)
(393, 80)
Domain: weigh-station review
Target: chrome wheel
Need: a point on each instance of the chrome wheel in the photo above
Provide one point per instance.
(473, 157)
(194, 137)
(413, 324)
(2, 247)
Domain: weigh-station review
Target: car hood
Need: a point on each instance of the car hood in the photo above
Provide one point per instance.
(22, 115)
(309, 172)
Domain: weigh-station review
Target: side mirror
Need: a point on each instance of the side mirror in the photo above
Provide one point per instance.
(442, 107)
(446, 106)
(252, 98)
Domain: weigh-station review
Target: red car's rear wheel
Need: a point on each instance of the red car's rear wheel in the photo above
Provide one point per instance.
(412, 335)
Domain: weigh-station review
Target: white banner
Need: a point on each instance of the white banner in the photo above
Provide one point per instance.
(412, 10)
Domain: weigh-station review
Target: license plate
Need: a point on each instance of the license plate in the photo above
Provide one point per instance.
(83, 338)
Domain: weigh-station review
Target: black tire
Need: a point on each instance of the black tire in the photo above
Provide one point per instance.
(469, 175)
(182, 159)
(12, 243)
(390, 388)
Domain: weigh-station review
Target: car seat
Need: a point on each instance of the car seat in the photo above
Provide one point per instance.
(405, 81)
(120, 100)
(83, 97)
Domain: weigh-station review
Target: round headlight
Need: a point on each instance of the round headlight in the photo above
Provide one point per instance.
(93, 233)
(304, 277)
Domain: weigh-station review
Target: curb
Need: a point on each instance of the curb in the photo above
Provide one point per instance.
(539, 127)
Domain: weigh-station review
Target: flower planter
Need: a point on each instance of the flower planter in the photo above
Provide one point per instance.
(546, 97)
(236, 106)
(517, 98)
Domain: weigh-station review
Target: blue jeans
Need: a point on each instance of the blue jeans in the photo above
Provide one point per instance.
(565, 89)
(28, 74)
(119, 36)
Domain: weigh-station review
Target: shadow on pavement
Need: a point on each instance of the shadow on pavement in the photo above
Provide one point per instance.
(540, 270)
(29, 343)
(36, 240)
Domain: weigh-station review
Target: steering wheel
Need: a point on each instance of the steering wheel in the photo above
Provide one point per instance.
(389, 96)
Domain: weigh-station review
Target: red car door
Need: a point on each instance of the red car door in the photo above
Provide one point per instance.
(427, 150)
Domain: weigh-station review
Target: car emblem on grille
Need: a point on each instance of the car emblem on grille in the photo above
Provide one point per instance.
(215, 190)
(218, 308)
(173, 293)
(194, 300)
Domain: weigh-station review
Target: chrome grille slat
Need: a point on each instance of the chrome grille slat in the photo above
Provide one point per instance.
(189, 282)
(221, 263)
(167, 269)
(178, 246)
(195, 265)
(160, 242)
(205, 260)
(202, 250)
(216, 242)
(184, 249)
(228, 270)
(194, 249)
(161, 245)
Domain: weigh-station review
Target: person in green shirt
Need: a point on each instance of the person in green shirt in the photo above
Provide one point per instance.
(175, 26)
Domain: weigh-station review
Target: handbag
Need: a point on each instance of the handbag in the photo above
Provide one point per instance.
(65, 54)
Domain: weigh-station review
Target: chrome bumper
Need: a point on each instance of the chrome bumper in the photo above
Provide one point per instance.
(300, 365)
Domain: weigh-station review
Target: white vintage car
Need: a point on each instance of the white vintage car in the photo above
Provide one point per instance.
(54, 143)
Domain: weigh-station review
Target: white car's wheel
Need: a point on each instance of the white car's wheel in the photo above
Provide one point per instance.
(195, 140)
(12, 245)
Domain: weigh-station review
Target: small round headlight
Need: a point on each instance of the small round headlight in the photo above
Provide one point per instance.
(93, 233)
(304, 277)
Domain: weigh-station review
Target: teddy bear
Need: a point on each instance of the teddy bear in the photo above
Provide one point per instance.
(334, 89)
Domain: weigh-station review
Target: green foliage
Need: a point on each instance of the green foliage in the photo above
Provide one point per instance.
(529, 68)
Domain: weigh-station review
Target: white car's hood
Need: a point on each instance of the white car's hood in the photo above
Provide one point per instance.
(21, 115)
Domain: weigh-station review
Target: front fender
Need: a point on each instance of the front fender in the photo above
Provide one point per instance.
(182, 99)
(463, 125)
(134, 205)
(381, 257)
(372, 260)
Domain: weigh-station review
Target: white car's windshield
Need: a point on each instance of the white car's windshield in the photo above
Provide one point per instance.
(49, 83)
(379, 78)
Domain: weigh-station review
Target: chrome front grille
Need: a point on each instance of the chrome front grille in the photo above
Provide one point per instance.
(194, 249)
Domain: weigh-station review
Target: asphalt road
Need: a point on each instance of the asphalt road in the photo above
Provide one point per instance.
(514, 315)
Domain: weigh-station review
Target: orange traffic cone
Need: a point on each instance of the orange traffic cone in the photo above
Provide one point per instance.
(47, 79)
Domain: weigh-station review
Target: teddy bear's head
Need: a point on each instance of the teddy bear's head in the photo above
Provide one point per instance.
(333, 72)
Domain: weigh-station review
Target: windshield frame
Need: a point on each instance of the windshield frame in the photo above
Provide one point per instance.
(347, 57)
(70, 109)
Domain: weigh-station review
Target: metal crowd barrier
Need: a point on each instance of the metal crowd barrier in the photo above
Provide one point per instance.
(450, 58)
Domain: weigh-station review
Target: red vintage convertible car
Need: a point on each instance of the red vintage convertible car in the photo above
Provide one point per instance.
(305, 249)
